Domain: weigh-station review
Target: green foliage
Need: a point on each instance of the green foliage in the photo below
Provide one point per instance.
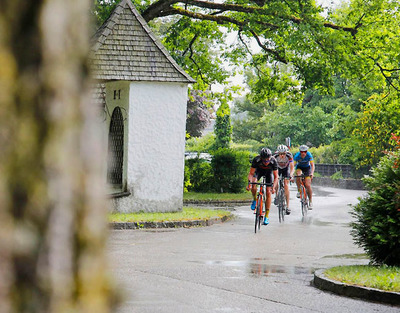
(338, 175)
(326, 154)
(379, 277)
(201, 144)
(194, 45)
(187, 214)
(186, 180)
(287, 120)
(199, 176)
(211, 196)
(373, 128)
(227, 172)
(230, 169)
(197, 115)
(377, 225)
(223, 127)
(102, 10)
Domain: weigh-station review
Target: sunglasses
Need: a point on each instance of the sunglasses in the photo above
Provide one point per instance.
(303, 151)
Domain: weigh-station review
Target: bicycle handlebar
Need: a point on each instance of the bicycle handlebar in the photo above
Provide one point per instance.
(264, 184)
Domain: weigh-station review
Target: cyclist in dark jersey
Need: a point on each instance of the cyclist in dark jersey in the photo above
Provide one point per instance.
(304, 163)
(286, 169)
(263, 165)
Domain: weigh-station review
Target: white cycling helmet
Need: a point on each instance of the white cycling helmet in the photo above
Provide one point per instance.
(303, 148)
(282, 149)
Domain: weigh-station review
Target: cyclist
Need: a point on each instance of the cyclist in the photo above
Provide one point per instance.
(304, 163)
(263, 165)
(284, 159)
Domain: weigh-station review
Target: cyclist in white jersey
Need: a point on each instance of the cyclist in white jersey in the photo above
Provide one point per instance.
(285, 168)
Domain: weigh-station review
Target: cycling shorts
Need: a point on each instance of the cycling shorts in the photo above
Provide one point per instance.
(284, 172)
(305, 170)
(269, 179)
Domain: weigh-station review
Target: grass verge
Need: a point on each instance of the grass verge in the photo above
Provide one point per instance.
(380, 277)
(216, 196)
(187, 214)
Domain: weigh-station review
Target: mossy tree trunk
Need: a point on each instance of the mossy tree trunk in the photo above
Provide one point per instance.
(52, 207)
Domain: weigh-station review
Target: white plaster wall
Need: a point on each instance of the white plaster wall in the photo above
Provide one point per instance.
(156, 146)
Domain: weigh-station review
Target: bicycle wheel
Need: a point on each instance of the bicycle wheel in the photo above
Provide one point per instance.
(304, 203)
(262, 212)
(257, 213)
(281, 205)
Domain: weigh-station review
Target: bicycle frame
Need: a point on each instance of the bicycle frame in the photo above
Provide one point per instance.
(303, 195)
(281, 197)
(260, 204)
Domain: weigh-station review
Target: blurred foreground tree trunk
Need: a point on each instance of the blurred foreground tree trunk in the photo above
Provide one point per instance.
(52, 206)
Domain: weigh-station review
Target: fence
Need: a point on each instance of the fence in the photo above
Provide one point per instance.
(330, 169)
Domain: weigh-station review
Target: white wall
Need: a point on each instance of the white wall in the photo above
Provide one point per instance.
(156, 146)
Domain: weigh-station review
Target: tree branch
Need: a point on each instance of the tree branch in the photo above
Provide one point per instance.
(165, 8)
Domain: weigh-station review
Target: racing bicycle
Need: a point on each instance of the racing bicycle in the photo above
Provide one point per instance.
(260, 203)
(303, 195)
(281, 199)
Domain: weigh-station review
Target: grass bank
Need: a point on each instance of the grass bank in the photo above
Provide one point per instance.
(380, 277)
(187, 214)
(216, 196)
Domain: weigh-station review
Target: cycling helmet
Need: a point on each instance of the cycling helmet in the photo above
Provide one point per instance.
(282, 149)
(303, 148)
(265, 153)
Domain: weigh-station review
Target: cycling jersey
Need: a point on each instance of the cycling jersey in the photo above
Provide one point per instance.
(264, 169)
(283, 161)
(303, 162)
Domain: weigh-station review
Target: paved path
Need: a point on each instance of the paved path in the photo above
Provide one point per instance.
(228, 268)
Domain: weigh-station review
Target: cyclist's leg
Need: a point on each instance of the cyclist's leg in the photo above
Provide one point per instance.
(268, 196)
(286, 181)
(298, 183)
(254, 191)
(307, 183)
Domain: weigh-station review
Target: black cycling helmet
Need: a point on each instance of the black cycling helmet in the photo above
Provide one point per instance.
(265, 153)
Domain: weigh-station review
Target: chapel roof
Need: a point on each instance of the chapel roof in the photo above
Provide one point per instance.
(125, 48)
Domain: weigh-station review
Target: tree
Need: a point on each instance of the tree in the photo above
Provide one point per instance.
(223, 127)
(198, 115)
(375, 125)
(53, 215)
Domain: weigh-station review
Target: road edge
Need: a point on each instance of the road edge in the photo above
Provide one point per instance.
(171, 224)
(371, 294)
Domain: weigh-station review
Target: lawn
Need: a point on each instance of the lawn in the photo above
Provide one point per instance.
(217, 196)
(379, 277)
(187, 214)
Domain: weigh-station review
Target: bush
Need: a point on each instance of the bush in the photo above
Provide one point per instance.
(230, 169)
(377, 225)
(199, 175)
(325, 154)
(338, 175)
(202, 144)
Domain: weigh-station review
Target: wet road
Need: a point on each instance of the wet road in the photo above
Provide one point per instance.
(228, 268)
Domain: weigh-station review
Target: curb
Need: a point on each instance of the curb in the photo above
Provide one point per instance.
(217, 203)
(371, 294)
(170, 224)
(353, 184)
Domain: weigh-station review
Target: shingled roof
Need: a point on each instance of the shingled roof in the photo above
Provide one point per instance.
(125, 48)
